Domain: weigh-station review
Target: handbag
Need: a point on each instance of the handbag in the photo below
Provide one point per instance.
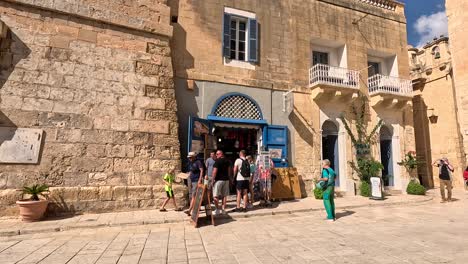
(321, 185)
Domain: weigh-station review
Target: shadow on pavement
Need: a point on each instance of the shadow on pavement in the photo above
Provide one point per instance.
(344, 214)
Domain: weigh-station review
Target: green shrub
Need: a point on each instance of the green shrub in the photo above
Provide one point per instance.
(318, 193)
(365, 189)
(415, 188)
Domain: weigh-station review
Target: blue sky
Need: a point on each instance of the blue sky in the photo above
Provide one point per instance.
(426, 19)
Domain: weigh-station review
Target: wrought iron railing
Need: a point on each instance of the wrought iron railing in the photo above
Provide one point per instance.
(333, 76)
(390, 85)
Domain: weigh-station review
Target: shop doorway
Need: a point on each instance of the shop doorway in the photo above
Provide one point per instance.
(234, 138)
(330, 147)
(386, 155)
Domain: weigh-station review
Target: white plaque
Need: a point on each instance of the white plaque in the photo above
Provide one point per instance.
(20, 145)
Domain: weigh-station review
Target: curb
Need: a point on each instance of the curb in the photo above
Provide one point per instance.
(28, 231)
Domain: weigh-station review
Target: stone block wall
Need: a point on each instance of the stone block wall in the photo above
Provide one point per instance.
(457, 19)
(97, 77)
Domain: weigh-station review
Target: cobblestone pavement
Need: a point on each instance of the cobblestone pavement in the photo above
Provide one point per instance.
(425, 233)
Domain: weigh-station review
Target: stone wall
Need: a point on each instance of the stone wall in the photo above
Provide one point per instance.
(433, 81)
(97, 77)
(457, 20)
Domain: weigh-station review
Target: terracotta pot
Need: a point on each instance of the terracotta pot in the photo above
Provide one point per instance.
(31, 211)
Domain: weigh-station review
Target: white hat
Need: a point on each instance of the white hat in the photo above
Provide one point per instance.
(191, 154)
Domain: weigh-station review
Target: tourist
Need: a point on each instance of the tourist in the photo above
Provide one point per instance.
(328, 176)
(168, 180)
(209, 168)
(253, 169)
(195, 170)
(242, 174)
(221, 173)
(445, 168)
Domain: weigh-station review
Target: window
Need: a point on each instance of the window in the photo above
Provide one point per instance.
(374, 68)
(436, 52)
(240, 36)
(319, 57)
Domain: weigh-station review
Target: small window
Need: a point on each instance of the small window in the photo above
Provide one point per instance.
(414, 58)
(374, 68)
(436, 52)
(319, 57)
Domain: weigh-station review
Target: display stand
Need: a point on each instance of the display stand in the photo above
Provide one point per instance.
(202, 196)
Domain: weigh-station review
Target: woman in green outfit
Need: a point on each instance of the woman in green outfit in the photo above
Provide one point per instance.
(328, 175)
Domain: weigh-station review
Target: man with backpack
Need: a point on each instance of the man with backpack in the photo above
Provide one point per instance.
(242, 174)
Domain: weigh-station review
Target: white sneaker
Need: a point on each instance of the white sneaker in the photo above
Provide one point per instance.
(216, 212)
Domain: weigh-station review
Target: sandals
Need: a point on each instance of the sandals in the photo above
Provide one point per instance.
(162, 210)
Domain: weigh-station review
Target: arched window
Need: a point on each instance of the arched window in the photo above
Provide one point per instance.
(436, 52)
(237, 106)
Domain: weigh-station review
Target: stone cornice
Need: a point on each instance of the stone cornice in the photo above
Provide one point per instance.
(370, 9)
(151, 16)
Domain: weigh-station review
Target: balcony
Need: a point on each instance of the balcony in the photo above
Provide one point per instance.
(336, 81)
(390, 90)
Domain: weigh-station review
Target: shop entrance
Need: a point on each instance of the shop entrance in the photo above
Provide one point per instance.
(234, 138)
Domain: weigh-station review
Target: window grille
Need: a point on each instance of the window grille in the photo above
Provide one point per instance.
(239, 107)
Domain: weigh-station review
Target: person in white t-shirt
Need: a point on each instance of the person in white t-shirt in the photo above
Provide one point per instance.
(242, 173)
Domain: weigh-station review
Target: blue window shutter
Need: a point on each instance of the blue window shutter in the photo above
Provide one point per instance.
(253, 40)
(226, 35)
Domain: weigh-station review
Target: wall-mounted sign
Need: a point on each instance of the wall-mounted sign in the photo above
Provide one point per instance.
(20, 145)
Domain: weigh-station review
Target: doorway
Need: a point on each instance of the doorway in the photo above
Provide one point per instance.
(232, 139)
(386, 155)
(330, 146)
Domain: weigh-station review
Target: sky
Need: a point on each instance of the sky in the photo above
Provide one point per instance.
(426, 19)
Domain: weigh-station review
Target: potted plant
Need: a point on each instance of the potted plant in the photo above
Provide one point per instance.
(410, 163)
(33, 209)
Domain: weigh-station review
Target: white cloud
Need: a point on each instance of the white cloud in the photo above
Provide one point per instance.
(431, 26)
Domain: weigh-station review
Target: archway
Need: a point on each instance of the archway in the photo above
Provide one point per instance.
(386, 155)
(330, 146)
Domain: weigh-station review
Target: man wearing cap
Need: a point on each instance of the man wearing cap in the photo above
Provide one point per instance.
(195, 170)
(445, 168)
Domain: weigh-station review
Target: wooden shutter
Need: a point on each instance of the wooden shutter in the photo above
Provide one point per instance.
(253, 40)
(226, 35)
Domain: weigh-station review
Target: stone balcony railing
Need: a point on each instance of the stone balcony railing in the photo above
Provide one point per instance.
(386, 4)
(321, 74)
(381, 84)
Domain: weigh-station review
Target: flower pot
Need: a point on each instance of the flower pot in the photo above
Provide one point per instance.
(31, 211)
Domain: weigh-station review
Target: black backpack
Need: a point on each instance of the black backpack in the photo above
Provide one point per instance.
(245, 168)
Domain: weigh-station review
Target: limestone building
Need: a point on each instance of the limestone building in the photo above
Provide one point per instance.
(435, 110)
(87, 103)
(457, 21)
(277, 75)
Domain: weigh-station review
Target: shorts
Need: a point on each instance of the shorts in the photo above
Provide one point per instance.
(194, 189)
(221, 189)
(170, 193)
(243, 185)
(265, 184)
